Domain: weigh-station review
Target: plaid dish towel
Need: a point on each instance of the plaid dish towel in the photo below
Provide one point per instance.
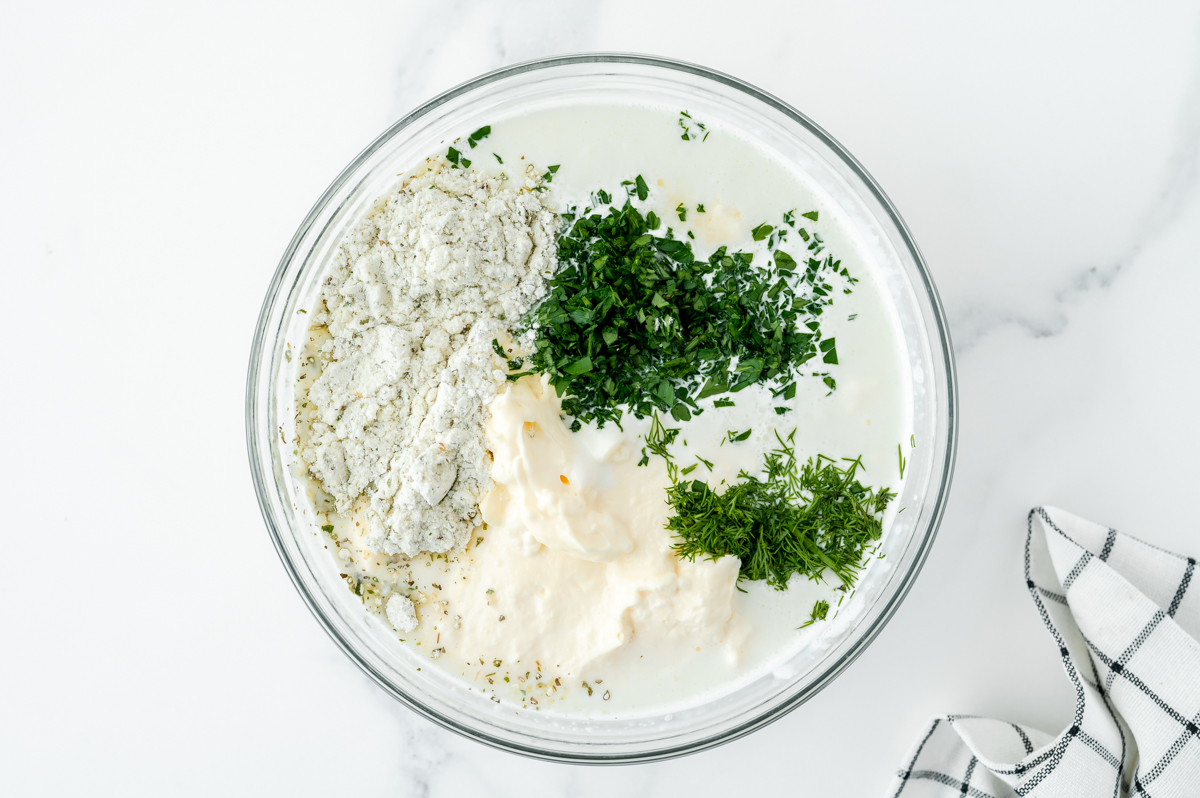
(1126, 626)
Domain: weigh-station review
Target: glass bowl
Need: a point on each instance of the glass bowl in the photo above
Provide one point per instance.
(282, 495)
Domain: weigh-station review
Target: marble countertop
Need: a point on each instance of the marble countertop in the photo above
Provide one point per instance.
(156, 160)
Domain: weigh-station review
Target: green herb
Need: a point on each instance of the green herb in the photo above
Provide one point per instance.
(707, 463)
(456, 160)
(498, 158)
(327, 528)
(479, 135)
(689, 469)
(819, 611)
(784, 262)
(700, 208)
(900, 454)
(761, 232)
(685, 122)
(682, 211)
(643, 190)
(810, 215)
(514, 365)
(829, 347)
(789, 218)
(549, 175)
(852, 317)
(796, 520)
(779, 411)
(636, 319)
(735, 437)
(658, 438)
(723, 403)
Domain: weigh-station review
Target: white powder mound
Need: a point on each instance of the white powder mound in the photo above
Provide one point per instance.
(418, 291)
(402, 613)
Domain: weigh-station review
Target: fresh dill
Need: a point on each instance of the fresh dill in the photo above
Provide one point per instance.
(658, 438)
(819, 611)
(799, 519)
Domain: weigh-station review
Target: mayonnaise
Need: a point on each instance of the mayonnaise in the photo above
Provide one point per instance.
(575, 560)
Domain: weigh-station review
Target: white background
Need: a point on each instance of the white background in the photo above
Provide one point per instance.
(155, 159)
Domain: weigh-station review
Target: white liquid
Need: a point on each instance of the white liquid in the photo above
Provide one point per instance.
(868, 415)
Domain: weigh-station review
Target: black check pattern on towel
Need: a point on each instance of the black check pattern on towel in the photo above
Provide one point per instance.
(1125, 617)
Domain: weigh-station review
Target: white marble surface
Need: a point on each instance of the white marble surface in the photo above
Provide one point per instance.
(155, 160)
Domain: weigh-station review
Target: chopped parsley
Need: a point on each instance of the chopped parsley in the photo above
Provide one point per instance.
(643, 190)
(479, 135)
(761, 232)
(691, 128)
(635, 319)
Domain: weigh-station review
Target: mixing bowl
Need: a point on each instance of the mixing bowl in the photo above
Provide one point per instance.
(282, 494)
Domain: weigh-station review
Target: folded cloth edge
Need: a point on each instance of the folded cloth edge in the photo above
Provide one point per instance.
(949, 757)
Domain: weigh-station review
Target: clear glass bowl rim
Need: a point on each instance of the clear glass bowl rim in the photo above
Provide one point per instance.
(263, 481)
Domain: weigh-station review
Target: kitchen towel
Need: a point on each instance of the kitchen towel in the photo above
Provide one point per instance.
(1125, 617)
